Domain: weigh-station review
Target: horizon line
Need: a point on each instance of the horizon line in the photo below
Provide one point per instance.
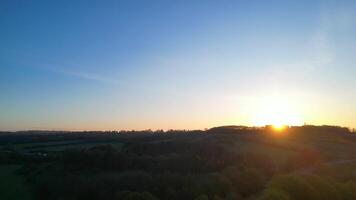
(165, 130)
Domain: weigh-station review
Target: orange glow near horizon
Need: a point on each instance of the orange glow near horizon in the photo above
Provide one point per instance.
(279, 128)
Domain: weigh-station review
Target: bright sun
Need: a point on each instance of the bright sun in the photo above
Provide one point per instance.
(277, 111)
(278, 127)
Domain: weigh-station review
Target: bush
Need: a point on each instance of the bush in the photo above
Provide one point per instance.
(136, 196)
(202, 197)
(275, 194)
(308, 188)
(248, 182)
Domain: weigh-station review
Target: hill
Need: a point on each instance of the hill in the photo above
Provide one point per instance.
(230, 162)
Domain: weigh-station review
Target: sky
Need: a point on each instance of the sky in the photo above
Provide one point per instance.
(135, 64)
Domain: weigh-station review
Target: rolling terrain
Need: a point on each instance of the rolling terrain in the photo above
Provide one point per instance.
(231, 162)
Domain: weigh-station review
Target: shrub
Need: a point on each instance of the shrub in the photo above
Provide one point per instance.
(275, 194)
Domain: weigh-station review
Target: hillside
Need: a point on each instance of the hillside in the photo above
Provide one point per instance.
(231, 162)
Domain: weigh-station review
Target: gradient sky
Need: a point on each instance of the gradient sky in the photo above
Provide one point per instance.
(100, 65)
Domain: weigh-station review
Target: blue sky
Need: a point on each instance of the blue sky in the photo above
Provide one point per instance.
(97, 65)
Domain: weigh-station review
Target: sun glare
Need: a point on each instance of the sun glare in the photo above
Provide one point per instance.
(276, 111)
(278, 127)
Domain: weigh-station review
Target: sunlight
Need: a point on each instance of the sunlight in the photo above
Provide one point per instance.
(277, 111)
(278, 127)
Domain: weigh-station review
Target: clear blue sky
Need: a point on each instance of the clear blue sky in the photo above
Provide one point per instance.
(75, 65)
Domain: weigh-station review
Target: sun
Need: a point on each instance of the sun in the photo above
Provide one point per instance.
(279, 127)
(277, 111)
